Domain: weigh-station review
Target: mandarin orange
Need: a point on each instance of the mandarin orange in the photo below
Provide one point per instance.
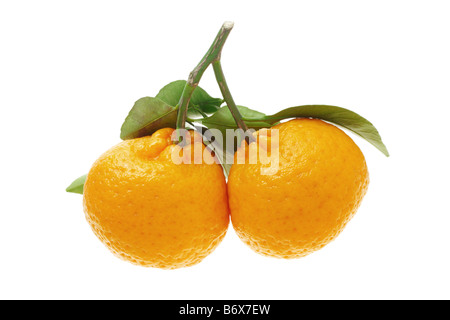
(151, 211)
(303, 205)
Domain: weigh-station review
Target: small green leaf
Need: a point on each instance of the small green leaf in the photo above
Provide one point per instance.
(223, 154)
(78, 185)
(223, 119)
(337, 115)
(217, 146)
(200, 101)
(148, 115)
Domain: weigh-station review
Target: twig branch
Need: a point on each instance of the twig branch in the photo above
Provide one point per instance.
(194, 77)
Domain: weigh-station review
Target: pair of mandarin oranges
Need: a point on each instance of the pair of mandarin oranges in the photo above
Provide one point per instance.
(153, 212)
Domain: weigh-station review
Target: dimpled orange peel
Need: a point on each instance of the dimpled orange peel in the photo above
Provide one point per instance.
(321, 180)
(152, 212)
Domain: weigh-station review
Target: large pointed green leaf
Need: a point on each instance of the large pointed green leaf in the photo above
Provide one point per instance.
(148, 115)
(201, 101)
(78, 185)
(337, 115)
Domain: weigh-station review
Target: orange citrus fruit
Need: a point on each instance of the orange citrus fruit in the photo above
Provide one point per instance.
(151, 211)
(293, 211)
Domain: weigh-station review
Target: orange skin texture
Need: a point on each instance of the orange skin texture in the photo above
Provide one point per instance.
(152, 212)
(318, 188)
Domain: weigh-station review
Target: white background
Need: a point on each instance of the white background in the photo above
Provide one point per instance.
(70, 72)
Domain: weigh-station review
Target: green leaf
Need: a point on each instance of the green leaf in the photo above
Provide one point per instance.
(148, 115)
(200, 101)
(223, 119)
(222, 153)
(78, 185)
(217, 146)
(337, 115)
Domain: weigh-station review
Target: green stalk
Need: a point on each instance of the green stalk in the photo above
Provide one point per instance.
(220, 77)
(196, 74)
